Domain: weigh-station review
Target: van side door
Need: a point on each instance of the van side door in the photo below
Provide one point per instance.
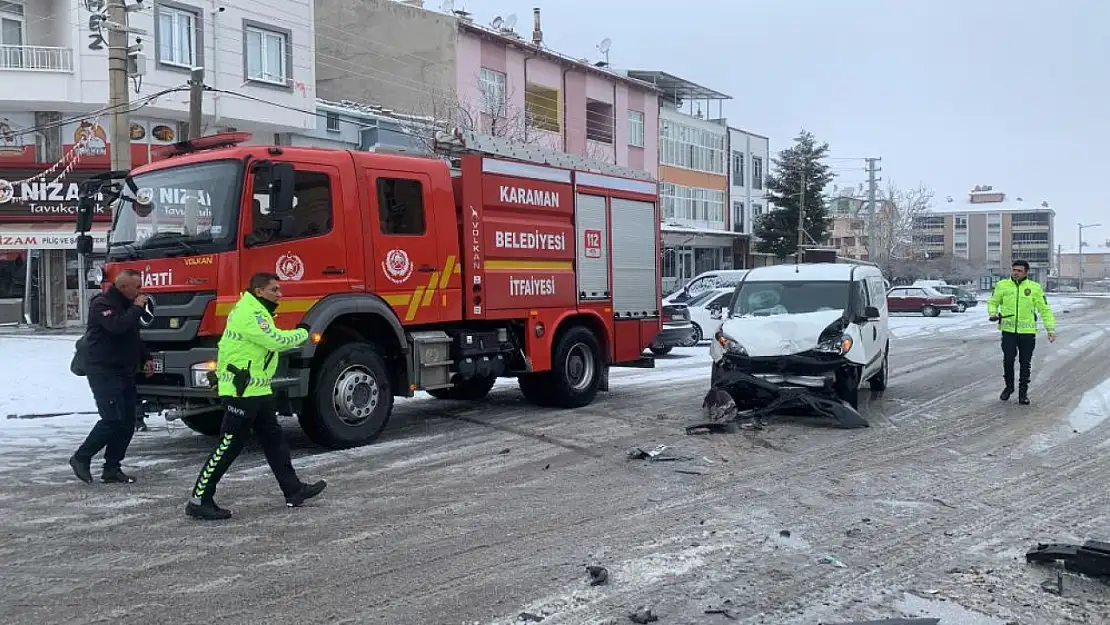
(868, 329)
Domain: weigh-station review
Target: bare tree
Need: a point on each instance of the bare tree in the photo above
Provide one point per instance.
(491, 112)
(894, 227)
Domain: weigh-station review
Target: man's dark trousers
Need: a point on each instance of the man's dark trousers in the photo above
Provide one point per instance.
(114, 393)
(241, 415)
(1020, 346)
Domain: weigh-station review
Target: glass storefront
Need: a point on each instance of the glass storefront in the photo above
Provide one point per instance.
(94, 263)
(13, 274)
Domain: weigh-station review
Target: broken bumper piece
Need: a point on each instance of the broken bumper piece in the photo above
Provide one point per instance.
(756, 388)
(896, 621)
(1092, 558)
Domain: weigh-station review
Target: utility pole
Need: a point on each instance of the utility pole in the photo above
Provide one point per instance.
(801, 218)
(196, 110)
(872, 189)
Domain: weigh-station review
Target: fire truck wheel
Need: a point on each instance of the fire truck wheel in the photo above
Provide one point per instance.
(351, 398)
(207, 424)
(536, 388)
(575, 368)
(471, 389)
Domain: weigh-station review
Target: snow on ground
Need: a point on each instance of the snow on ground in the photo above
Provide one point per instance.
(973, 322)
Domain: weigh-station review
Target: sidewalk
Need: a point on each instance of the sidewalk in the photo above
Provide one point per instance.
(26, 331)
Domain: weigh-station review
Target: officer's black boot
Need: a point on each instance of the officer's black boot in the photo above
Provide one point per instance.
(206, 510)
(307, 491)
(1007, 392)
(1023, 393)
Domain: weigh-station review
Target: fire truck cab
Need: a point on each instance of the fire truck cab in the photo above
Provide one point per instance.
(410, 273)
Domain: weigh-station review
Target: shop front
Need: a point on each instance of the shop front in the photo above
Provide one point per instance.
(39, 269)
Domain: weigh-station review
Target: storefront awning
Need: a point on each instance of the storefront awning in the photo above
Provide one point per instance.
(48, 237)
(687, 235)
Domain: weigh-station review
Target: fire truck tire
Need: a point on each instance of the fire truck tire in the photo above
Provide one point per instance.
(576, 368)
(207, 424)
(536, 388)
(351, 398)
(471, 389)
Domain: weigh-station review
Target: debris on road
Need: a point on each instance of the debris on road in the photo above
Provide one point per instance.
(598, 575)
(503, 451)
(656, 454)
(895, 621)
(1054, 586)
(833, 560)
(723, 612)
(1092, 558)
(528, 617)
(642, 616)
(738, 396)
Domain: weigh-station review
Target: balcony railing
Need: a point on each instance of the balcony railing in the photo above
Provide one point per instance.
(36, 58)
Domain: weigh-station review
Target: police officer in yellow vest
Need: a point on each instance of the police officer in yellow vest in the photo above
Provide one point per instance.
(248, 355)
(1015, 305)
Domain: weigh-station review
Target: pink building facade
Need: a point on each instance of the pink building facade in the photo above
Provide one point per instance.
(513, 88)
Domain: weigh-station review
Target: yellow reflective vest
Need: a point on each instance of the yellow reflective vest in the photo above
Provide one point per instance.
(249, 348)
(1018, 304)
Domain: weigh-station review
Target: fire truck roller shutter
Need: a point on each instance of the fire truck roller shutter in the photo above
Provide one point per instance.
(592, 225)
(635, 261)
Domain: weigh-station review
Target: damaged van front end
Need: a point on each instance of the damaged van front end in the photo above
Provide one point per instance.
(809, 363)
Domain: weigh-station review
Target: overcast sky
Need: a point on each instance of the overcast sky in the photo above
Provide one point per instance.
(952, 93)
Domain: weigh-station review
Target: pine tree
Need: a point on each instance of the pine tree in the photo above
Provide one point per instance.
(777, 230)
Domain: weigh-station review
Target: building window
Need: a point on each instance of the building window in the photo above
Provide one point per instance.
(757, 210)
(737, 169)
(757, 172)
(11, 34)
(178, 35)
(491, 86)
(693, 203)
(636, 129)
(599, 121)
(737, 216)
(541, 107)
(692, 148)
(333, 121)
(267, 54)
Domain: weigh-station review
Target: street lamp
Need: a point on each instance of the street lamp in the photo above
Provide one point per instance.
(1081, 228)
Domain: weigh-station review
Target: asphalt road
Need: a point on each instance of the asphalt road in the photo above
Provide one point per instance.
(477, 513)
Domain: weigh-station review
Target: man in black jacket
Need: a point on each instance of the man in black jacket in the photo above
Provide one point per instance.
(114, 353)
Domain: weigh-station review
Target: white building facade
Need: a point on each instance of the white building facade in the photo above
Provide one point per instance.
(262, 51)
(749, 156)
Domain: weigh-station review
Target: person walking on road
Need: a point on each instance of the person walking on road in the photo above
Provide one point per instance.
(114, 354)
(1015, 305)
(245, 368)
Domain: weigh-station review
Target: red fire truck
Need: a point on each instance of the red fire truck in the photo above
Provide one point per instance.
(410, 273)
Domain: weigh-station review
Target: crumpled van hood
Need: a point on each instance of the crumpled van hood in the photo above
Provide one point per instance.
(779, 335)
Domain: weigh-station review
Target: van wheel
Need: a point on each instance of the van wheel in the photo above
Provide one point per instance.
(576, 368)
(471, 389)
(878, 381)
(208, 423)
(930, 311)
(847, 385)
(351, 398)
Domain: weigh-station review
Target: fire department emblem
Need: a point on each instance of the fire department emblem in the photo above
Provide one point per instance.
(7, 192)
(397, 266)
(289, 267)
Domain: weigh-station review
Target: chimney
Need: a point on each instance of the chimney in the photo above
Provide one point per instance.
(537, 33)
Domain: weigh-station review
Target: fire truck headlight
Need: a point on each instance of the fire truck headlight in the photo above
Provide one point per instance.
(200, 373)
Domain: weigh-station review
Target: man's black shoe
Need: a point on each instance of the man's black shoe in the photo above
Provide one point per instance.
(115, 476)
(308, 491)
(1006, 393)
(1023, 399)
(206, 511)
(81, 470)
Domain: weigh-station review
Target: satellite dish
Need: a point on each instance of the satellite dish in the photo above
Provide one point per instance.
(604, 46)
(448, 6)
(497, 22)
(510, 22)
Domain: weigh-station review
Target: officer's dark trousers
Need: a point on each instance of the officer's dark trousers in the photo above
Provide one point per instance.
(241, 415)
(1020, 346)
(115, 401)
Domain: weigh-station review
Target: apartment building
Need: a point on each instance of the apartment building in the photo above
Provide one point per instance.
(1093, 268)
(849, 229)
(749, 157)
(990, 232)
(486, 78)
(59, 68)
(694, 175)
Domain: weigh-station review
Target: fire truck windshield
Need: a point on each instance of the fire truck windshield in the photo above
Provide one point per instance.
(178, 210)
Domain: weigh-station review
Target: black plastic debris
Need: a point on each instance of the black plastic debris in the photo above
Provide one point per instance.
(895, 621)
(528, 617)
(722, 612)
(1091, 558)
(598, 575)
(658, 453)
(642, 616)
(737, 396)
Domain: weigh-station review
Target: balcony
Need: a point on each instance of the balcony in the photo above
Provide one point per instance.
(36, 59)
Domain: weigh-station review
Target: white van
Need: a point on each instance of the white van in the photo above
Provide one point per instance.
(821, 326)
(703, 282)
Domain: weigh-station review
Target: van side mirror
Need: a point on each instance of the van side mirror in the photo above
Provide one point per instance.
(872, 313)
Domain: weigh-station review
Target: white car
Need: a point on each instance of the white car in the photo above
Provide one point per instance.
(705, 313)
(821, 326)
(704, 281)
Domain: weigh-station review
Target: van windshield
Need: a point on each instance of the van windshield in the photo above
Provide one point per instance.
(790, 298)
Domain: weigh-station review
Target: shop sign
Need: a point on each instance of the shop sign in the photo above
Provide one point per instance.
(48, 240)
(48, 199)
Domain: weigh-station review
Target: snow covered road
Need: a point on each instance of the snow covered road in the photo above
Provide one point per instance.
(477, 513)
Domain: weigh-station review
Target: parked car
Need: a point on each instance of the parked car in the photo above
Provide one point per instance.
(923, 299)
(704, 281)
(705, 313)
(676, 329)
(821, 327)
(964, 299)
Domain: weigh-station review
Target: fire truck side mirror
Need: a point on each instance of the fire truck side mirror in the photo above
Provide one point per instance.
(282, 180)
(86, 206)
